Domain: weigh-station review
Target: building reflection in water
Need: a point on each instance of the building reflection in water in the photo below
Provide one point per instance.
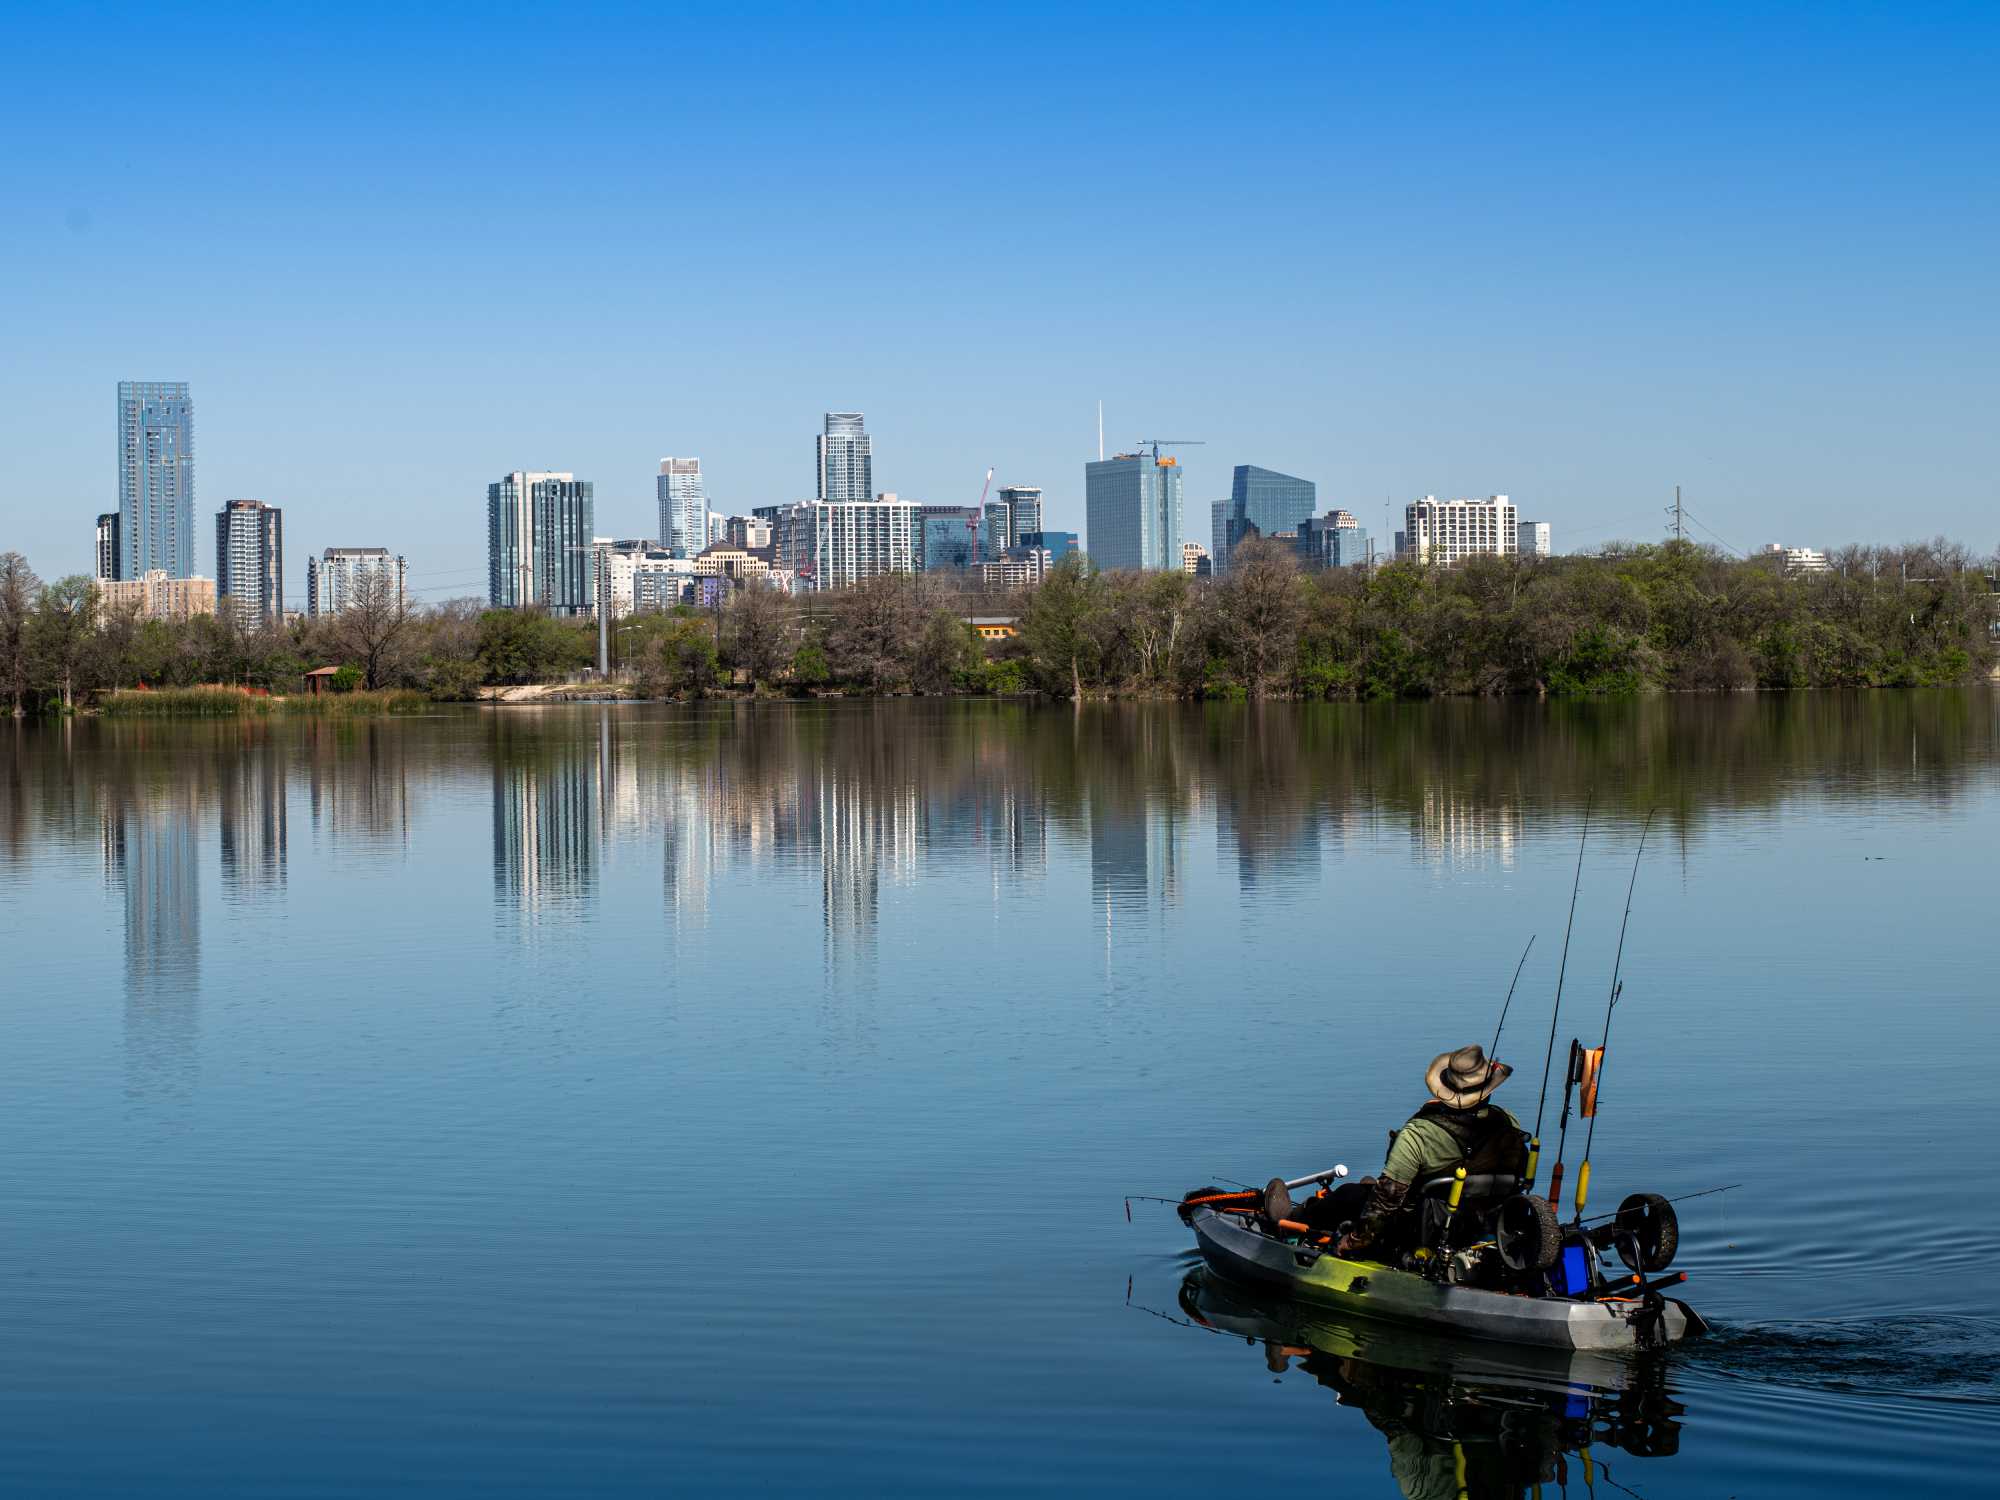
(251, 819)
(1463, 832)
(358, 783)
(545, 829)
(152, 856)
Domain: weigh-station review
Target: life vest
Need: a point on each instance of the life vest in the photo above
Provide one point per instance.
(1487, 1140)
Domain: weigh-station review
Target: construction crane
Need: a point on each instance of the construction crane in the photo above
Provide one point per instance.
(1156, 444)
(979, 515)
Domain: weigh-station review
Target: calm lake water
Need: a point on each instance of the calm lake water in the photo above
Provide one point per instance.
(740, 1099)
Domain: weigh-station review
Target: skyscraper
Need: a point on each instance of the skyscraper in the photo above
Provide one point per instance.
(1132, 512)
(108, 569)
(846, 471)
(1024, 510)
(993, 531)
(683, 507)
(538, 537)
(1262, 502)
(250, 562)
(155, 478)
(833, 546)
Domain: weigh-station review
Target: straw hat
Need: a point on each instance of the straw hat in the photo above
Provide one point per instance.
(1464, 1078)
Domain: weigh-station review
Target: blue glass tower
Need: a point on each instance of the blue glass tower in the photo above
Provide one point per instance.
(1132, 512)
(155, 478)
(1262, 502)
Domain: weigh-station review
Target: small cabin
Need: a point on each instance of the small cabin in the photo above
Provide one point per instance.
(320, 680)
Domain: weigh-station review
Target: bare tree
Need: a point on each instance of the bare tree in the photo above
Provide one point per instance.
(372, 625)
(19, 588)
(1259, 610)
(873, 635)
(757, 631)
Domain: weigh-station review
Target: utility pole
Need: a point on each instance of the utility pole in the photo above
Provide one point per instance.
(1680, 517)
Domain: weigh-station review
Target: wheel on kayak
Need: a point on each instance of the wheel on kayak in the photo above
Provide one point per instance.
(1647, 1222)
(1527, 1234)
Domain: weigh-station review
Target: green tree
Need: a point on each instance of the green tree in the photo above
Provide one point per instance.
(61, 635)
(19, 589)
(1059, 627)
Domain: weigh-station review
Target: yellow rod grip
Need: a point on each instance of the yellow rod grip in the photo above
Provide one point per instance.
(1534, 1157)
(1457, 1190)
(1582, 1186)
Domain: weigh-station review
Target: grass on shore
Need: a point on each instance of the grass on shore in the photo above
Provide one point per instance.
(233, 703)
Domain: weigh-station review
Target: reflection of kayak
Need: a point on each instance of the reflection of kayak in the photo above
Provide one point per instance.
(1237, 1247)
(1462, 1420)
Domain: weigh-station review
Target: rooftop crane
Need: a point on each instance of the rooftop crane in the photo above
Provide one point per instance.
(979, 515)
(1156, 444)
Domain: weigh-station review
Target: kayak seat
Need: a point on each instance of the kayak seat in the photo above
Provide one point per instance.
(1480, 1187)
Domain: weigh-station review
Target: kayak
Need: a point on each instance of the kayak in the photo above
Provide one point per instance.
(1235, 1246)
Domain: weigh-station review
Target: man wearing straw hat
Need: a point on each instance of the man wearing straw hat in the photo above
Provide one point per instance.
(1457, 1128)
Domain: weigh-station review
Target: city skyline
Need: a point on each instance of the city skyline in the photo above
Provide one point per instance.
(1640, 281)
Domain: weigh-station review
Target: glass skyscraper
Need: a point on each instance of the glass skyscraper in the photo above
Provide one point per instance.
(538, 539)
(1262, 502)
(1132, 512)
(155, 478)
(846, 469)
(945, 536)
(1024, 510)
(683, 507)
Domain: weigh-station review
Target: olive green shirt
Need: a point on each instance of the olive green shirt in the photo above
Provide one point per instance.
(1424, 1149)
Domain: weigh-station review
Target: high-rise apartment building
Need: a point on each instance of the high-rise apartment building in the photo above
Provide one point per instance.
(1262, 502)
(538, 543)
(831, 546)
(108, 569)
(1444, 531)
(846, 469)
(250, 562)
(340, 575)
(1132, 512)
(155, 478)
(1535, 538)
(1024, 510)
(683, 507)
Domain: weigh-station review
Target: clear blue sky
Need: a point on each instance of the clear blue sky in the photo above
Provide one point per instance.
(1570, 255)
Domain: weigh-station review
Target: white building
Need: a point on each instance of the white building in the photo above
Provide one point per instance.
(644, 575)
(1535, 539)
(831, 545)
(1443, 531)
(1799, 559)
(683, 506)
(1021, 568)
(1193, 555)
(333, 576)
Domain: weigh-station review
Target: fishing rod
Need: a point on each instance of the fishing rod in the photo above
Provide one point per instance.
(1594, 1057)
(1683, 1198)
(1562, 968)
(1494, 1050)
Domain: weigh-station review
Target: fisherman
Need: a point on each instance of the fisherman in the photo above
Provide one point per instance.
(1457, 1128)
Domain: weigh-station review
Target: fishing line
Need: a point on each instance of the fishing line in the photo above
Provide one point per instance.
(1562, 968)
(1612, 1004)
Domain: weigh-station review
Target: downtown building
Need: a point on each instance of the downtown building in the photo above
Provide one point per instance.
(1023, 504)
(834, 544)
(538, 543)
(1262, 502)
(155, 479)
(684, 517)
(340, 576)
(846, 467)
(157, 595)
(1334, 540)
(1132, 512)
(948, 537)
(1446, 531)
(250, 563)
(108, 568)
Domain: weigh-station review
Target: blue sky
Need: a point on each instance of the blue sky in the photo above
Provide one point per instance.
(1575, 254)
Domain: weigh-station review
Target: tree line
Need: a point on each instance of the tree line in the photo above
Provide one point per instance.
(1629, 619)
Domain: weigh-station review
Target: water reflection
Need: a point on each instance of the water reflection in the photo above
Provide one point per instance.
(150, 837)
(1461, 1420)
(858, 800)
